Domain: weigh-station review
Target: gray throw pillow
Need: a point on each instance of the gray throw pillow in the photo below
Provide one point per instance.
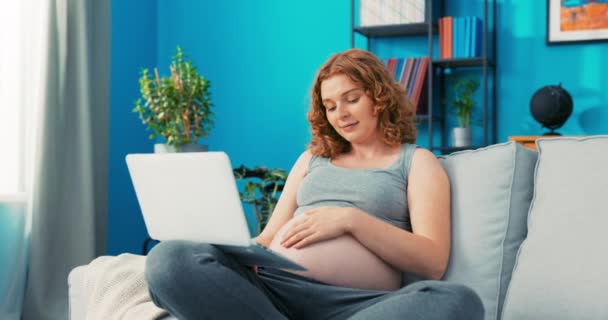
(562, 266)
(491, 192)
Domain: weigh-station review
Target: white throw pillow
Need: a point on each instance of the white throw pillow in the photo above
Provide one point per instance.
(562, 266)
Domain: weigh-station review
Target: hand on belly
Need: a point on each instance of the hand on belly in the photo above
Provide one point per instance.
(341, 261)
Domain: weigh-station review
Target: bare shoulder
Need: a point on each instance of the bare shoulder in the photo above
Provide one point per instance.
(425, 163)
(301, 166)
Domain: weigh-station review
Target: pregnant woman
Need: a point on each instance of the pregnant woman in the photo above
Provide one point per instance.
(361, 206)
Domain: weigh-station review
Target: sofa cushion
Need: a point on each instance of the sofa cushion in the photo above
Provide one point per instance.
(491, 192)
(560, 271)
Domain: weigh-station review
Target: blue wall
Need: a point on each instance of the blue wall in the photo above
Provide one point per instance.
(526, 63)
(134, 43)
(261, 56)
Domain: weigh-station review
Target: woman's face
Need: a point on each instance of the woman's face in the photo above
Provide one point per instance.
(349, 110)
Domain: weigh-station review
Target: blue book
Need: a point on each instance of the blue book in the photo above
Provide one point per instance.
(478, 37)
(456, 37)
(467, 36)
(474, 37)
(460, 37)
(399, 69)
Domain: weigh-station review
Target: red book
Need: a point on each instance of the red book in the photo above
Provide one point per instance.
(391, 64)
(449, 31)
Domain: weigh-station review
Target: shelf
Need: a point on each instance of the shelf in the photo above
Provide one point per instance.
(396, 30)
(461, 62)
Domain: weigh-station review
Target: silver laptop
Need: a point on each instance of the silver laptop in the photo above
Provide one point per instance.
(193, 196)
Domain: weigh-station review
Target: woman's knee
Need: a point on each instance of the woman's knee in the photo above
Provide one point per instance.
(468, 300)
(169, 263)
(457, 300)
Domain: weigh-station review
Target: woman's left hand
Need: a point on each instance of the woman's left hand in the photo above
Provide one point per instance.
(318, 224)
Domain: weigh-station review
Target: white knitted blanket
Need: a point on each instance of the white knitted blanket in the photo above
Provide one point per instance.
(115, 288)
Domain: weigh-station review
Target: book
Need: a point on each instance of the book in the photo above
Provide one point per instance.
(406, 72)
(410, 74)
(390, 65)
(420, 80)
(467, 37)
(399, 69)
(449, 33)
(478, 41)
(410, 86)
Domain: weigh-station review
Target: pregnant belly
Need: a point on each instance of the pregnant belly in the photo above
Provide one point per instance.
(341, 261)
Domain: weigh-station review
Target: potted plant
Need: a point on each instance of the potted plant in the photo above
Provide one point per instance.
(176, 107)
(261, 190)
(463, 104)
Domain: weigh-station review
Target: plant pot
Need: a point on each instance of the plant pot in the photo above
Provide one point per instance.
(461, 137)
(190, 147)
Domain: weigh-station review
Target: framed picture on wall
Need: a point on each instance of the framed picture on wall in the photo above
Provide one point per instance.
(570, 21)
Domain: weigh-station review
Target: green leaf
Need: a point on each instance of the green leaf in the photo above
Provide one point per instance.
(163, 101)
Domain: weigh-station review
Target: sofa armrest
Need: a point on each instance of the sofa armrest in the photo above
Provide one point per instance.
(76, 301)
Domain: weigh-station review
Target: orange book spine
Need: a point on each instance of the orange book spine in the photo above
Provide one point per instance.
(449, 35)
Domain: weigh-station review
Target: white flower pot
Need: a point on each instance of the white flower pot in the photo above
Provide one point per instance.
(190, 147)
(461, 137)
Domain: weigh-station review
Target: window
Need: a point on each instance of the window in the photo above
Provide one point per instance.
(12, 106)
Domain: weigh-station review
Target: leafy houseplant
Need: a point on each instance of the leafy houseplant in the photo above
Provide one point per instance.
(176, 107)
(463, 103)
(261, 190)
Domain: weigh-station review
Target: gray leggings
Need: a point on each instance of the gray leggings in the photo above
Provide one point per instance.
(195, 281)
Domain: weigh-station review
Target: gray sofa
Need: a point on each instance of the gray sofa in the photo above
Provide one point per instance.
(527, 229)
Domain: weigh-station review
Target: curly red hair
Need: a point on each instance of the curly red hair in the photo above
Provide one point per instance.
(394, 109)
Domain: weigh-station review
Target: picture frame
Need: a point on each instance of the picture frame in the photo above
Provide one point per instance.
(577, 21)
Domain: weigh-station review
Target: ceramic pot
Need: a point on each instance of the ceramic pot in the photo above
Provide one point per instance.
(461, 137)
(190, 147)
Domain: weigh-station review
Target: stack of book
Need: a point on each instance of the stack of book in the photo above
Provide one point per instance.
(411, 74)
(460, 37)
(386, 12)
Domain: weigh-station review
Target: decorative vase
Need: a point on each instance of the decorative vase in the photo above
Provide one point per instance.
(461, 137)
(190, 147)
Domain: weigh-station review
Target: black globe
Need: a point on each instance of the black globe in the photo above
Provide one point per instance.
(551, 106)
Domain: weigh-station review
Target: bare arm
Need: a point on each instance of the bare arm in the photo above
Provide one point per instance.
(424, 252)
(286, 205)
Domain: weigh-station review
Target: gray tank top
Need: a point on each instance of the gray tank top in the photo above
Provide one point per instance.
(381, 192)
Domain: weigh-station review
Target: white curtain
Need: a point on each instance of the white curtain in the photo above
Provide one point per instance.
(22, 26)
(63, 60)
